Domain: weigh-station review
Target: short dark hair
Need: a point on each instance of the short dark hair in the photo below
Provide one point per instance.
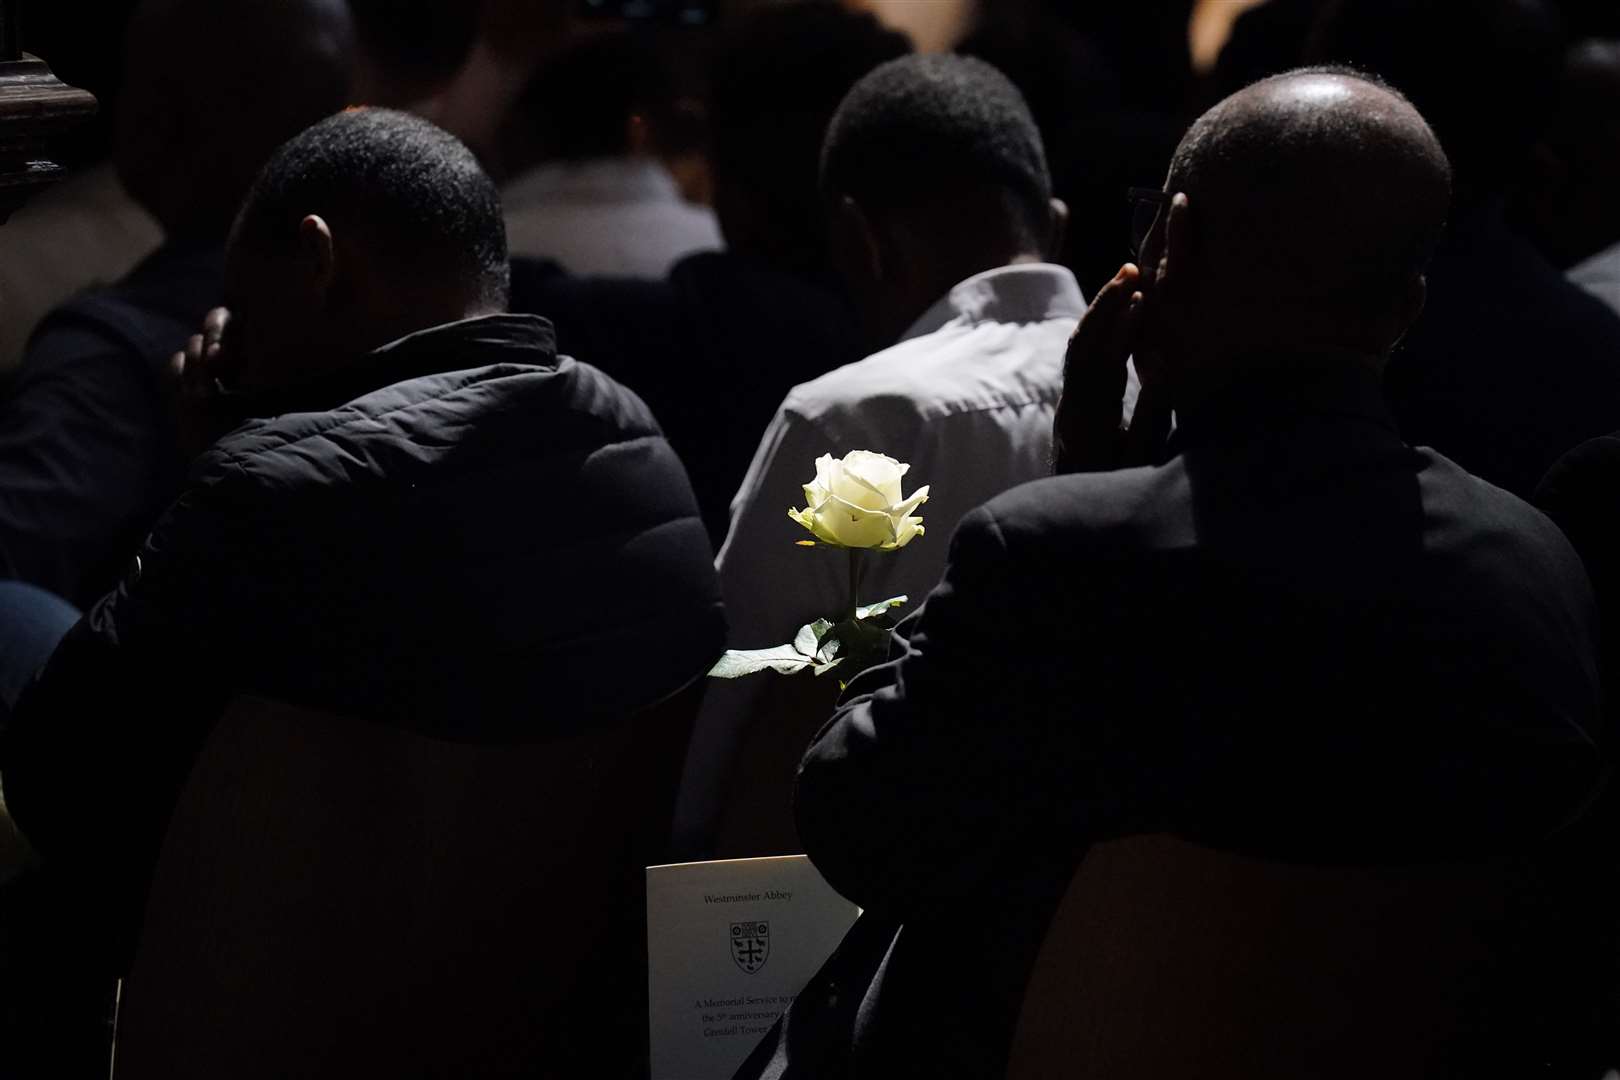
(418, 41)
(933, 122)
(774, 83)
(415, 192)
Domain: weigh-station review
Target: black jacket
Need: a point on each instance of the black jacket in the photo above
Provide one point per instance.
(713, 350)
(1299, 638)
(466, 535)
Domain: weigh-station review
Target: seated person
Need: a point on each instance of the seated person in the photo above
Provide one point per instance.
(87, 450)
(420, 514)
(1297, 637)
(1511, 364)
(715, 346)
(588, 142)
(937, 179)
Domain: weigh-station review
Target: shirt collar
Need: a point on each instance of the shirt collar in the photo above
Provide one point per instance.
(1019, 293)
(619, 179)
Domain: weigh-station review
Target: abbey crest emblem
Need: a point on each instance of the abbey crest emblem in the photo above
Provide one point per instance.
(750, 945)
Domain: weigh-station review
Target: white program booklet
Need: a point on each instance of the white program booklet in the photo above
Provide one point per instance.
(729, 946)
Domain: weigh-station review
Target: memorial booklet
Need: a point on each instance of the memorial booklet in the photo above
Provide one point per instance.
(729, 946)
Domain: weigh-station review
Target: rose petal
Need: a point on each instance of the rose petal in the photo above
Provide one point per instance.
(808, 519)
(909, 530)
(918, 497)
(879, 472)
(854, 526)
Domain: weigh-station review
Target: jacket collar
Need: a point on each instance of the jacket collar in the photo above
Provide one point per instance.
(1019, 293)
(469, 343)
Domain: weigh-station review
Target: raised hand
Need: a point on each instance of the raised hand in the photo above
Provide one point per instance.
(1087, 433)
(198, 377)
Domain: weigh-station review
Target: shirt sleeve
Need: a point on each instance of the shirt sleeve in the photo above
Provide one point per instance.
(83, 444)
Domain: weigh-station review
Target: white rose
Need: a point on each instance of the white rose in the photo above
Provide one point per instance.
(857, 503)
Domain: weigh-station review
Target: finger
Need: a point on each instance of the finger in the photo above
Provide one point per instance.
(214, 325)
(1097, 327)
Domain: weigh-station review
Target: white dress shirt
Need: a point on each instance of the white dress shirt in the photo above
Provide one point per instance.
(1600, 276)
(966, 398)
(613, 216)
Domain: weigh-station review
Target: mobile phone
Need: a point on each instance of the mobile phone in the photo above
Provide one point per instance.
(682, 12)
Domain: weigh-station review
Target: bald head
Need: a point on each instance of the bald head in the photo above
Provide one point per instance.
(212, 87)
(1322, 188)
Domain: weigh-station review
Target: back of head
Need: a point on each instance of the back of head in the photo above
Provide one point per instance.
(941, 132)
(410, 49)
(211, 88)
(775, 81)
(1484, 73)
(1317, 199)
(371, 225)
(413, 193)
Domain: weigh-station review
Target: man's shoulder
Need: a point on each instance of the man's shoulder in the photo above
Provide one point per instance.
(948, 371)
(442, 421)
(1472, 518)
(1081, 508)
(1589, 468)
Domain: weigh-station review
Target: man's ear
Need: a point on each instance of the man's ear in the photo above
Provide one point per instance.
(1176, 262)
(317, 254)
(1057, 229)
(857, 242)
(1413, 299)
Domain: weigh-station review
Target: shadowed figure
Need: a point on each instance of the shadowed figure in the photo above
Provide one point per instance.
(715, 347)
(1569, 203)
(1510, 365)
(372, 529)
(88, 455)
(1293, 635)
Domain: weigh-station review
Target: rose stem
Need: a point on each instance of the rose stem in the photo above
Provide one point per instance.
(855, 568)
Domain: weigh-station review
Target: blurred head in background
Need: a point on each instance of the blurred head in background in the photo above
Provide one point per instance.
(611, 94)
(212, 87)
(1484, 73)
(934, 171)
(775, 81)
(1572, 199)
(410, 51)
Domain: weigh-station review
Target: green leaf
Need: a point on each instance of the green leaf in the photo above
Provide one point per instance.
(783, 659)
(871, 611)
(808, 640)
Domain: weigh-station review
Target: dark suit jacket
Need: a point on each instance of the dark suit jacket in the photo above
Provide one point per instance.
(1299, 637)
(466, 535)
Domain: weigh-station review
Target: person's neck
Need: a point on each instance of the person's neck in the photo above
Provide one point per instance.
(934, 278)
(1271, 369)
